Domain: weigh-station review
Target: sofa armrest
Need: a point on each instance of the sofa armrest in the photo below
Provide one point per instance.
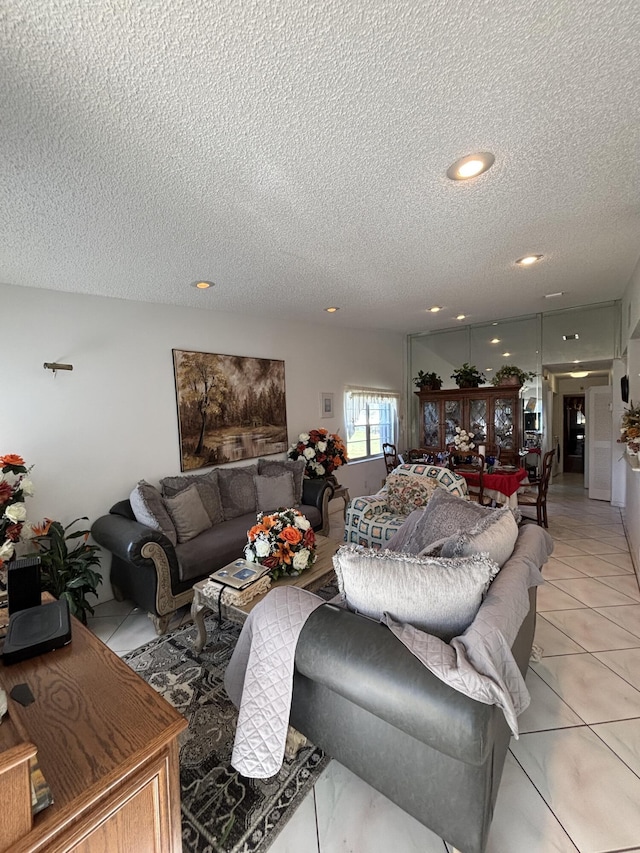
(318, 493)
(375, 505)
(361, 660)
(313, 492)
(127, 538)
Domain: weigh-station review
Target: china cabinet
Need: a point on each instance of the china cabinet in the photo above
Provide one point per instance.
(492, 414)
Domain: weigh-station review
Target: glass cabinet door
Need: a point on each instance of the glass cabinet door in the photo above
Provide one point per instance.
(452, 419)
(503, 424)
(478, 420)
(430, 424)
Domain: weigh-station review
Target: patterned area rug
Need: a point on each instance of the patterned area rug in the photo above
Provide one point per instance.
(222, 811)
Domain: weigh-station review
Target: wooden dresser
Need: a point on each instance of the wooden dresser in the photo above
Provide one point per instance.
(107, 745)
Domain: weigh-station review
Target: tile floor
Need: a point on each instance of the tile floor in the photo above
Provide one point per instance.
(572, 781)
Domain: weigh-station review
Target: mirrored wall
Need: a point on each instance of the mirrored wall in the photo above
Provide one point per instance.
(541, 344)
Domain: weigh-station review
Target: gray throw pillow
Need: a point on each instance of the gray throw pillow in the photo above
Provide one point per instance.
(148, 508)
(207, 486)
(274, 492)
(444, 515)
(437, 595)
(276, 467)
(237, 490)
(494, 535)
(188, 513)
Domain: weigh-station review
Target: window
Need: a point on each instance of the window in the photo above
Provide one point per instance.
(371, 418)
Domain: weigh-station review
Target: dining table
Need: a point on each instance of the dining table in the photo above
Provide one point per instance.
(501, 486)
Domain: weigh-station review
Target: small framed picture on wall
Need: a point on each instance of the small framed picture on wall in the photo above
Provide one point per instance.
(326, 404)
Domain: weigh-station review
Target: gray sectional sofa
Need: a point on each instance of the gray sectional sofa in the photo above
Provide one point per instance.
(163, 541)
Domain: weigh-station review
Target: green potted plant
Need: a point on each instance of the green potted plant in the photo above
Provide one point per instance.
(66, 570)
(427, 381)
(468, 376)
(511, 375)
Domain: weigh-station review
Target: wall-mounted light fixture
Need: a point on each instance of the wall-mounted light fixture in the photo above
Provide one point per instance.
(55, 366)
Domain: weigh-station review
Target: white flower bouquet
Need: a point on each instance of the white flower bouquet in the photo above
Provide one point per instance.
(463, 440)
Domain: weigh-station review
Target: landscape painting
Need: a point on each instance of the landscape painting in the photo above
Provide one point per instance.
(230, 407)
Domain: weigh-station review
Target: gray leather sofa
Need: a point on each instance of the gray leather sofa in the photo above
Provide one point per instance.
(158, 576)
(366, 700)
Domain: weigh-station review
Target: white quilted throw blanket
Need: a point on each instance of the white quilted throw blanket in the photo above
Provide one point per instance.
(259, 679)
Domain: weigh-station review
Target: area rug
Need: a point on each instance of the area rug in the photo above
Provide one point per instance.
(222, 811)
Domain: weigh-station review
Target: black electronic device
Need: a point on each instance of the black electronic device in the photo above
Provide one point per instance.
(37, 630)
(624, 389)
(23, 584)
(530, 421)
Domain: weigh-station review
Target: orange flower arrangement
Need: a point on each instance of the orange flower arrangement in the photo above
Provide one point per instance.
(15, 486)
(283, 542)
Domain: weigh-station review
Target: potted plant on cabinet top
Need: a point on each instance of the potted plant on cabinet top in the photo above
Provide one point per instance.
(427, 381)
(468, 376)
(511, 375)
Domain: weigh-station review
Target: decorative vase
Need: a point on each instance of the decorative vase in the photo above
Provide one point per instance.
(511, 380)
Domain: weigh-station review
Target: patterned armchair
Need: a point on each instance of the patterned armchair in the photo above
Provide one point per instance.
(371, 522)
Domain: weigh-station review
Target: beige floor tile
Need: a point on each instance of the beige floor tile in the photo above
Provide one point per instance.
(352, 816)
(622, 561)
(626, 584)
(625, 662)
(623, 738)
(552, 640)
(552, 598)
(563, 549)
(592, 566)
(573, 678)
(522, 822)
(554, 568)
(592, 592)
(589, 789)
(628, 616)
(591, 630)
(546, 709)
(595, 546)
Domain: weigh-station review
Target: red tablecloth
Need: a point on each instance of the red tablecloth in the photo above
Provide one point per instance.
(506, 482)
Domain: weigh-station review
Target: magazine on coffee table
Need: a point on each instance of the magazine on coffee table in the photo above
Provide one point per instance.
(239, 574)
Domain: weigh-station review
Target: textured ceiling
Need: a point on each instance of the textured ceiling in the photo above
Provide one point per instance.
(295, 153)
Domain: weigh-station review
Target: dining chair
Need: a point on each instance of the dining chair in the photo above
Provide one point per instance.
(538, 499)
(473, 463)
(390, 456)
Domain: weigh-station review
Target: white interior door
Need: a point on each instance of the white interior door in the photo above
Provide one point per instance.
(599, 440)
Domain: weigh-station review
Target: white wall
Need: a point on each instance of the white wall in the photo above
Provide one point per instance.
(92, 433)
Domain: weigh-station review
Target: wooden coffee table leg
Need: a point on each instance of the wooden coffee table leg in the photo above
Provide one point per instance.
(198, 607)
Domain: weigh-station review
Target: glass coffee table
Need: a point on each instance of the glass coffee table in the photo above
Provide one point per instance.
(312, 579)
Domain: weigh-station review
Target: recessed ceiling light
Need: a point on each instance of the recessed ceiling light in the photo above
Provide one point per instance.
(470, 166)
(488, 369)
(435, 309)
(576, 361)
(494, 341)
(461, 316)
(554, 295)
(579, 374)
(331, 310)
(203, 285)
(528, 260)
(506, 354)
(571, 337)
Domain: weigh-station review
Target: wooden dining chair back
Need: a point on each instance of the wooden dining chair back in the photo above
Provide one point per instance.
(390, 456)
(538, 498)
(471, 462)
